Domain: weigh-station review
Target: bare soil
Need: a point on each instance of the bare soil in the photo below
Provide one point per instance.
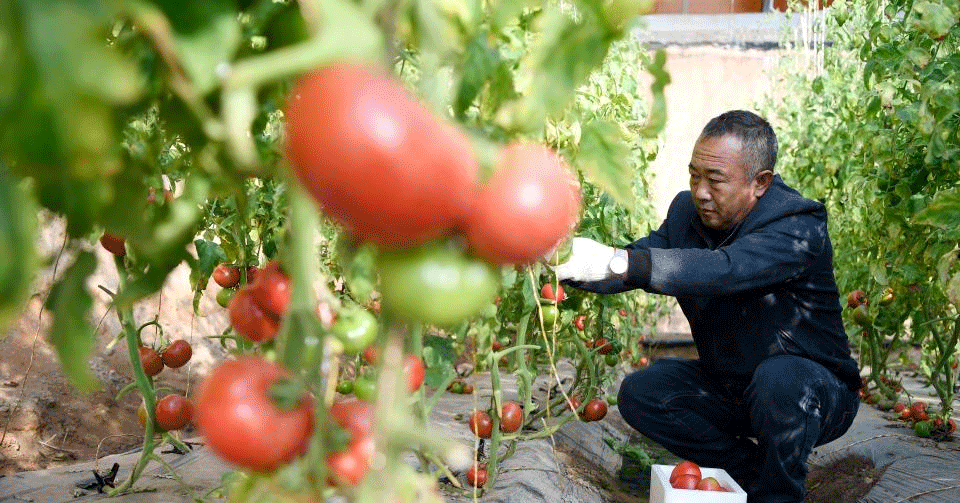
(44, 421)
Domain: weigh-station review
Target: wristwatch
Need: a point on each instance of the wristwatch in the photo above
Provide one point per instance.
(618, 263)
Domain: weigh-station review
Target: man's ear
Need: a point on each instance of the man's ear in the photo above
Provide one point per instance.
(762, 182)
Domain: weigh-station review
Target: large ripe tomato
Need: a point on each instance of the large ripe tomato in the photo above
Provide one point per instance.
(685, 467)
(511, 417)
(375, 159)
(436, 284)
(227, 276)
(151, 360)
(249, 319)
(114, 244)
(272, 289)
(177, 354)
(594, 410)
(240, 421)
(481, 424)
(356, 329)
(529, 204)
(173, 412)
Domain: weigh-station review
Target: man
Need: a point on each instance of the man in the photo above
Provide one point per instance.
(751, 265)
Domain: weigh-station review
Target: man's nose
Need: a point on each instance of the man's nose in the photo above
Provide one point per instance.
(700, 191)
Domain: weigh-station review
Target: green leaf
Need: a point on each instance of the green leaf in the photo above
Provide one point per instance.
(209, 255)
(71, 333)
(18, 262)
(206, 35)
(943, 211)
(602, 157)
(479, 65)
(657, 118)
(439, 358)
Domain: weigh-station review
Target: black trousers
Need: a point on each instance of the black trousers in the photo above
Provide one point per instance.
(761, 432)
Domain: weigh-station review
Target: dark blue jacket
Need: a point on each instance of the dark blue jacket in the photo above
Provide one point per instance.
(768, 289)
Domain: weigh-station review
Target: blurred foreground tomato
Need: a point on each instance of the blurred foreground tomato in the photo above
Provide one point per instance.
(243, 424)
(374, 158)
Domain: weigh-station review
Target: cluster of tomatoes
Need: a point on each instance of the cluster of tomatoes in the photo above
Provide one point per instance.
(256, 307)
(392, 173)
(173, 411)
(918, 415)
(687, 475)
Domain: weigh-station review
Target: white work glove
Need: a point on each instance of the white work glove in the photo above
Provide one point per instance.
(588, 261)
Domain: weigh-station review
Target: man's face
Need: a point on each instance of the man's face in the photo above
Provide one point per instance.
(721, 190)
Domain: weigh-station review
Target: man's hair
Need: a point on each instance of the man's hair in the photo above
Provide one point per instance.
(757, 140)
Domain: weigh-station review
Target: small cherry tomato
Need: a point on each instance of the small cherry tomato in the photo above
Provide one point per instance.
(173, 412)
(594, 410)
(481, 424)
(477, 475)
(177, 354)
(227, 276)
(151, 361)
(511, 417)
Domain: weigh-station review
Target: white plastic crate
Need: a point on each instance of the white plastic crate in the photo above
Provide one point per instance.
(662, 492)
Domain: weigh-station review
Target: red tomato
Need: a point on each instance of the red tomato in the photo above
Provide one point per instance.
(370, 355)
(151, 361)
(249, 319)
(177, 354)
(580, 321)
(481, 424)
(573, 404)
(685, 467)
(685, 482)
(414, 371)
(547, 292)
(496, 345)
(529, 204)
(272, 289)
(477, 475)
(511, 417)
(353, 415)
(346, 467)
(709, 484)
(594, 410)
(350, 465)
(173, 412)
(114, 244)
(375, 159)
(603, 346)
(227, 276)
(252, 272)
(242, 424)
(857, 298)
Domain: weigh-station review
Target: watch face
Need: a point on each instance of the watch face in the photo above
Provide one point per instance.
(618, 264)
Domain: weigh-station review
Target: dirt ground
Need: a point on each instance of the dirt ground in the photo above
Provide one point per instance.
(44, 421)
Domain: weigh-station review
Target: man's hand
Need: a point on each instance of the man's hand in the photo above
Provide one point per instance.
(589, 261)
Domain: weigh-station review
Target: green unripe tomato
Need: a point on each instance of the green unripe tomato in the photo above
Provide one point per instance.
(550, 314)
(611, 360)
(224, 296)
(436, 284)
(365, 388)
(922, 429)
(345, 387)
(612, 399)
(355, 328)
(861, 316)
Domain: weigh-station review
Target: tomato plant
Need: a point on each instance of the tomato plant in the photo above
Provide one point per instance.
(242, 423)
(173, 412)
(525, 209)
(374, 158)
(177, 354)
